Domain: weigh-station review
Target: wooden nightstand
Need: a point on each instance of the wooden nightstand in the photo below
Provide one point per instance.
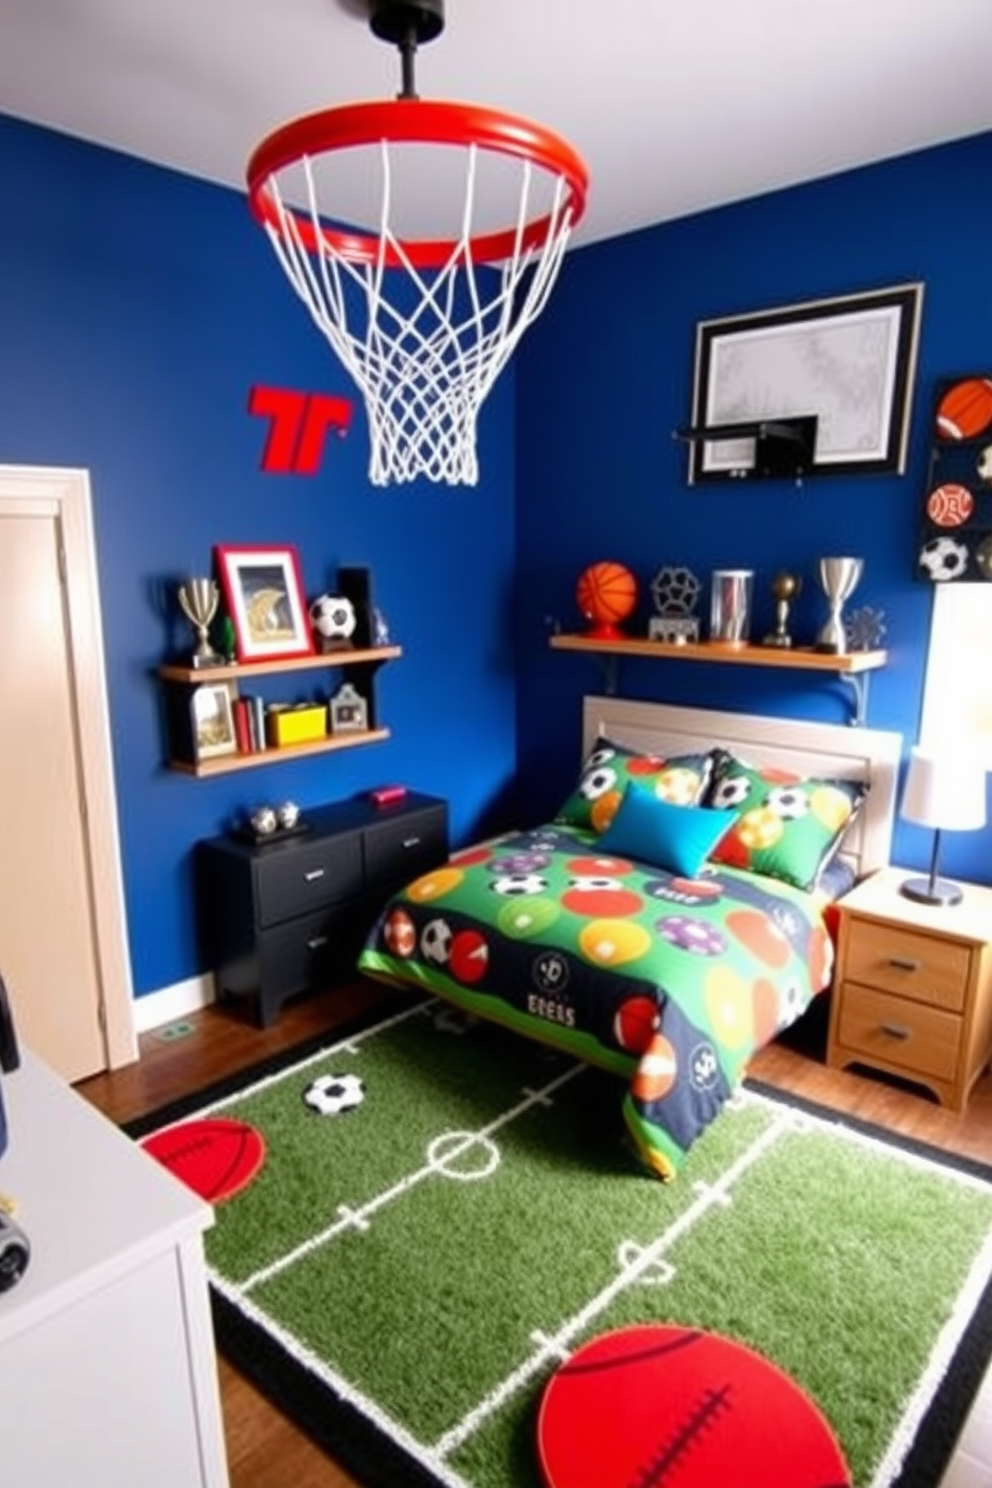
(913, 989)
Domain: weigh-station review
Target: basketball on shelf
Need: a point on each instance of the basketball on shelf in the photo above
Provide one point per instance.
(965, 410)
(606, 595)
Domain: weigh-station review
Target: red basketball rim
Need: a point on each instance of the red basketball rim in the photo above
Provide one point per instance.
(413, 121)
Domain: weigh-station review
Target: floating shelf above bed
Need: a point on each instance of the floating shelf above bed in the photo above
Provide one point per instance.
(852, 667)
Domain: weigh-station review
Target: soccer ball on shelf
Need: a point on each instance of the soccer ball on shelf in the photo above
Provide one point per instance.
(332, 1095)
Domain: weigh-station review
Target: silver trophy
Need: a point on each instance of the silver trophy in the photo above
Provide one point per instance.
(839, 577)
(198, 599)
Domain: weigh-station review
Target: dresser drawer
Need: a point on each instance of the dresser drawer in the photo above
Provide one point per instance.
(306, 952)
(400, 850)
(292, 878)
(922, 1040)
(908, 962)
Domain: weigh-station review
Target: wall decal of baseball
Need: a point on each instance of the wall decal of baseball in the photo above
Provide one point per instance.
(654, 1404)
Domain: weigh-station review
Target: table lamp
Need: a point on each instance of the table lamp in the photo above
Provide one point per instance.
(944, 790)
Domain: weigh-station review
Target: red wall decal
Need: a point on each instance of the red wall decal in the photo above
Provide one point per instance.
(298, 426)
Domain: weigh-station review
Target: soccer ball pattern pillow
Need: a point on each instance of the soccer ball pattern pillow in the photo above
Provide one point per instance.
(782, 824)
(608, 770)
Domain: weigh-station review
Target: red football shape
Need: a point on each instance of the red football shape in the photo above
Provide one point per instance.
(214, 1156)
(653, 1404)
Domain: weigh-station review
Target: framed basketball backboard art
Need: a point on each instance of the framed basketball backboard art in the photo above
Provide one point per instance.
(847, 362)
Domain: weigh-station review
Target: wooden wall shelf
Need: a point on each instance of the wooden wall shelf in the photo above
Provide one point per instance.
(852, 667)
(181, 681)
(241, 671)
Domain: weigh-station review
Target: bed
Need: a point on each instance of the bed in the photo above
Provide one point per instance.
(675, 914)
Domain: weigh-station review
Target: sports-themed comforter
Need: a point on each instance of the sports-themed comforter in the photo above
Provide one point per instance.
(672, 982)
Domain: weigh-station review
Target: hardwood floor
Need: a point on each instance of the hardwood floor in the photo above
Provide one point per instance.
(264, 1449)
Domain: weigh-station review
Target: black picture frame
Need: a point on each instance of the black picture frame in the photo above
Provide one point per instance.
(849, 361)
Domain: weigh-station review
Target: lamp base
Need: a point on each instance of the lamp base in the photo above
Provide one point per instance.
(939, 891)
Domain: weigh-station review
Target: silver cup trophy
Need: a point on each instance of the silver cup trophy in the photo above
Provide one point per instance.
(198, 599)
(839, 578)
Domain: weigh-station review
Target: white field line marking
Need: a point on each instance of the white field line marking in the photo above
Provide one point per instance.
(357, 1218)
(555, 1347)
(937, 1365)
(350, 1045)
(340, 1386)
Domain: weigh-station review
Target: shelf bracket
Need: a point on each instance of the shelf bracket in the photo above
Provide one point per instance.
(858, 683)
(611, 671)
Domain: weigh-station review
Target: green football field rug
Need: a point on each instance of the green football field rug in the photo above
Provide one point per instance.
(428, 1216)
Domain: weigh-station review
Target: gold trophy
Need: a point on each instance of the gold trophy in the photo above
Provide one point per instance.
(198, 599)
(785, 587)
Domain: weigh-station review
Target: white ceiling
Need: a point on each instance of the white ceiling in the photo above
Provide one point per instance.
(676, 105)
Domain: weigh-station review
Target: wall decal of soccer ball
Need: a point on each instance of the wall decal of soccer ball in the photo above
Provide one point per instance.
(333, 1095)
(943, 559)
(983, 465)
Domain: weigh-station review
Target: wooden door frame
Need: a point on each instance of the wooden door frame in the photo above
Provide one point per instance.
(65, 495)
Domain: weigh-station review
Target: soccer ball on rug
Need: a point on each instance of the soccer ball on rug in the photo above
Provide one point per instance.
(332, 1095)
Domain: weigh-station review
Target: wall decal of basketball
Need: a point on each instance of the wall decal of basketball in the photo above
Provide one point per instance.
(658, 1404)
(215, 1157)
(606, 594)
(965, 410)
(950, 505)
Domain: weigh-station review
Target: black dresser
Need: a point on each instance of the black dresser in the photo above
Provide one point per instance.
(281, 917)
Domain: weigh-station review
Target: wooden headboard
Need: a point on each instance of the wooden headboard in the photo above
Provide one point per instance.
(834, 751)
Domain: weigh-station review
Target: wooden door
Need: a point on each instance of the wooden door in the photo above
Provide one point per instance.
(62, 949)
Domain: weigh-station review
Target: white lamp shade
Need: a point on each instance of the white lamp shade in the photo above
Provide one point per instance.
(944, 789)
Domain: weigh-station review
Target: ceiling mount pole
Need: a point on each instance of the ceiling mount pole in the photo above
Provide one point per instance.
(407, 23)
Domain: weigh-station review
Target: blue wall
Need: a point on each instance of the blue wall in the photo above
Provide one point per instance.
(137, 309)
(607, 376)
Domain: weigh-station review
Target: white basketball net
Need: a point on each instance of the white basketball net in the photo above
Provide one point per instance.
(423, 374)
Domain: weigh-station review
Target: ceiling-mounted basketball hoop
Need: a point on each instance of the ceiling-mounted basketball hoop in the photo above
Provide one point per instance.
(424, 321)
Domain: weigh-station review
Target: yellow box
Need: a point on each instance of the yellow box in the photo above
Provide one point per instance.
(296, 725)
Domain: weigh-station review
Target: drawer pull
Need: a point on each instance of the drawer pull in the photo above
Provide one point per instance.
(411, 841)
(904, 963)
(313, 875)
(896, 1030)
(317, 943)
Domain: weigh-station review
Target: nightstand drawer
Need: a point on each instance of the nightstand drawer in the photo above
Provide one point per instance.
(298, 876)
(894, 1030)
(923, 967)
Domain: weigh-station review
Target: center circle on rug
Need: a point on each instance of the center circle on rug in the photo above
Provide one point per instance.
(447, 1152)
(639, 1403)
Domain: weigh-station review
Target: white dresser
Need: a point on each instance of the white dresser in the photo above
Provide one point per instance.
(108, 1377)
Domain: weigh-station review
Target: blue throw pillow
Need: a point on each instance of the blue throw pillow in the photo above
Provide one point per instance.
(676, 838)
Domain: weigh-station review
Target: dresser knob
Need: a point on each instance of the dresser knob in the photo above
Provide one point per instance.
(313, 875)
(896, 1030)
(317, 943)
(904, 963)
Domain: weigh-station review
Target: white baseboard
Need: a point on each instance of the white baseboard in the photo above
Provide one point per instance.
(169, 1003)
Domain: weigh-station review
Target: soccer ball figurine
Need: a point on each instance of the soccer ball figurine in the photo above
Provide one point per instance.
(943, 559)
(333, 1095)
(675, 591)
